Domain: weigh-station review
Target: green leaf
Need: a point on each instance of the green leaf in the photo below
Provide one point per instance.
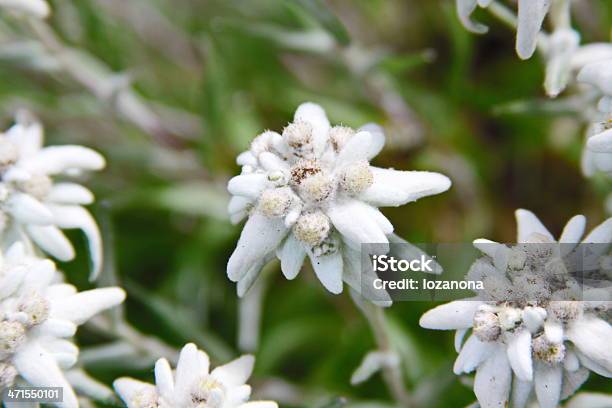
(321, 13)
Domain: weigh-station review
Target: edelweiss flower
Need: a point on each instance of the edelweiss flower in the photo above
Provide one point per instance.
(192, 385)
(38, 314)
(598, 155)
(312, 192)
(34, 207)
(522, 322)
(531, 14)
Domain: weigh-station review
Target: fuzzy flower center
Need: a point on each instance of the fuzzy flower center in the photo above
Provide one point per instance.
(12, 335)
(208, 393)
(38, 186)
(312, 228)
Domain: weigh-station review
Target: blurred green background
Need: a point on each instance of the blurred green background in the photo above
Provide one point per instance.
(171, 91)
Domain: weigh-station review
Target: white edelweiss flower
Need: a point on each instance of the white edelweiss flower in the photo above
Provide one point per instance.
(598, 155)
(528, 340)
(312, 192)
(35, 8)
(193, 385)
(38, 316)
(35, 207)
(531, 14)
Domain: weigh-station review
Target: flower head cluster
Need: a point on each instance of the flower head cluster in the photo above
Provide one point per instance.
(33, 206)
(312, 192)
(533, 331)
(193, 385)
(38, 316)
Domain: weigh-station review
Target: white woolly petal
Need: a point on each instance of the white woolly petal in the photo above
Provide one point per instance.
(528, 224)
(547, 380)
(473, 353)
(238, 396)
(590, 53)
(164, 380)
(362, 282)
(39, 275)
(246, 159)
(493, 380)
(519, 355)
(362, 146)
(367, 230)
(531, 15)
(63, 351)
(590, 400)
(56, 328)
(553, 331)
(236, 372)
(601, 234)
(315, 115)
(40, 369)
(78, 217)
(291, 255)
(271, 162)
(248, 185)
(602, 142)
(574, 229)
(465, 8)
(51, 240)
(593, 366)
(598, 74)
(458, 314)
(521, 390)
(129, 388)
(458, 341)
(9, 282)
(592, 338)
(260, 236)
(248, 280)
(392, 188)
(571, 362)
(328, 269)
(70, 193)
(60, 290)
(61, 159)
(572, 381)
(190, 366)
(28, 210)
(29, 138)
(82, 306)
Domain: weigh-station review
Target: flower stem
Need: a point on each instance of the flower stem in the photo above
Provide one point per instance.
(392, 374)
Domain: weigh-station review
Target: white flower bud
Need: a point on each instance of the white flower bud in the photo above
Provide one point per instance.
(316, 188)
(546, 351)
(275, 202)
(38, 186)
(565, 311)
(509, 318)
(208, 393)
(486, 326)
(298, 136)
(36, 308)
(8, 153)
(356, 177)
(8, 373)
(312, 228)
(12, 334)
(339, 135)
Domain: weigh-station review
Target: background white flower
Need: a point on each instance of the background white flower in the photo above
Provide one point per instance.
(38, 316)
(526, 335)
(34, 208)
(312, 192)
(193, 385)
(35, 8)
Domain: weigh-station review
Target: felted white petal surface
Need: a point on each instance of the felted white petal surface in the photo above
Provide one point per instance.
(572, 381)
(164, 380)
(465, 8)
(328, 269)
(528, 223)
(519, 355)
(531, 15)
(260, 236)
(70, 193)
(392, 188)
(28, 138)
(573, 230)
(246, 159)
(316, 116)
(493, 380)
(362, 146)
(28, 210)
(590, 400)
(128, 388)
(458, 314)
(60, 159)
(598, 74)
(590, 53)
(70, 216)
(271, 162)
(521, 390)
(592, 337)
(39, 275)
(344, 216)
(51, 240)
(56, 328)
(82, 306)
(238, 395)
(602, 142)
(291, 255)
(188, 369)
(236, 372)
(547, 381)
(248, 185)
(473, 353)
(39, 368)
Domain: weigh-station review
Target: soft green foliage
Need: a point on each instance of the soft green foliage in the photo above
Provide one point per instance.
(214, 74)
